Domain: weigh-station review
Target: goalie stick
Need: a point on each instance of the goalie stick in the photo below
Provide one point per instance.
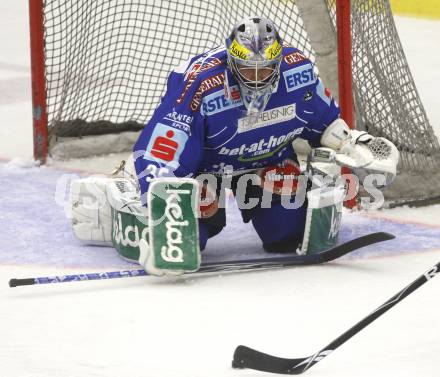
(238, 265)
(245, 357)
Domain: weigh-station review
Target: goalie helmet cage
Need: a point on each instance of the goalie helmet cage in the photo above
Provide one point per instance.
(100, 68)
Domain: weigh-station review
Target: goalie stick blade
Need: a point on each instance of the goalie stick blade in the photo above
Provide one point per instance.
(245, 357)
(226, 266)
(298, 260)
(352, 245)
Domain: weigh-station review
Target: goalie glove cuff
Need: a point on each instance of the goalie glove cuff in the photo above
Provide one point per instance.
(336, 135)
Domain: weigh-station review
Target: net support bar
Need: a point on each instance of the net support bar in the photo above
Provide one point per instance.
(39, 112)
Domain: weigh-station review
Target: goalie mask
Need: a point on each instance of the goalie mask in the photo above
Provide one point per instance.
(254, 57)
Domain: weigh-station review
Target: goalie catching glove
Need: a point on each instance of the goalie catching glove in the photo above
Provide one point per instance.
(363, 153)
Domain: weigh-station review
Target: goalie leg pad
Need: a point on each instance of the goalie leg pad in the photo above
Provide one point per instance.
(108, 211)
(173, 227)
(323, 220)
(91, 213)
(129, 217)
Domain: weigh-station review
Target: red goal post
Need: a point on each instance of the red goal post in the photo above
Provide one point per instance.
(39, 109)
(345, 83)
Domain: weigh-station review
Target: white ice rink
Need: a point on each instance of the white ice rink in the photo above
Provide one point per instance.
(189, 327)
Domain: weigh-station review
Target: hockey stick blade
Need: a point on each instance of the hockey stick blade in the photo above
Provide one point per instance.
(225, 266)
(245, 357)
(298, 260)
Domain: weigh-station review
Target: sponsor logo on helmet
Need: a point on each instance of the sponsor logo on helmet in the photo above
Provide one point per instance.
(216, 102)
(299, 77)
(166, 144)
(273, 50)
(294, 58)
(206, 85)
(266, 118)
(238, 50)
(265, 148)
(193, 72)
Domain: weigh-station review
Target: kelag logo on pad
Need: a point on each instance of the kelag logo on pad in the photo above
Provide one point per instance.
(166, 144)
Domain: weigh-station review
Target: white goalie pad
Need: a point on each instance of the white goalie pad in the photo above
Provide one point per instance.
(124, 196)
(91, 213)
(92, 200)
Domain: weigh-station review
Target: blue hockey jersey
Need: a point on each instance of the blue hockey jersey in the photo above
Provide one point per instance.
(200, 128)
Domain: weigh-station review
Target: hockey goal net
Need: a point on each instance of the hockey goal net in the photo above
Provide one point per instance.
(99, 69)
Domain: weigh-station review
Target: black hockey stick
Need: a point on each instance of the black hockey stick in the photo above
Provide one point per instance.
(245, 357)
(238, 265)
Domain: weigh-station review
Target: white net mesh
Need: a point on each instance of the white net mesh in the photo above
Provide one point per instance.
(387, 102)
(107, 61)
(107, 64)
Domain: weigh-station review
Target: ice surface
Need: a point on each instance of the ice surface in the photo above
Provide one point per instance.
(36, 227)
(189, 327)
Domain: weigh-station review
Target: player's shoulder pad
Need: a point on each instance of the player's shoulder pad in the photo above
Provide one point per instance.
(293, 57)
(199, 75)
(296, 70)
